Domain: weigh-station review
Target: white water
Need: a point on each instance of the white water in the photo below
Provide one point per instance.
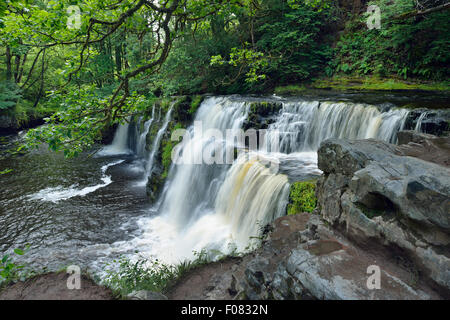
(222, 207)
(60, 193)
(141, 137)
(119, 146)
(422, 117)
(157, 142)
(303, 126)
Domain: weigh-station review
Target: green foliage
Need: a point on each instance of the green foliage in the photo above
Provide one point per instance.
(81, 120)
(195, 104)
(302, 197)
(9, 270)
(221, 47)
(149, 275)
(416, 47)
(293, 39)
(249, 59)
(6, 171)
(9, 95)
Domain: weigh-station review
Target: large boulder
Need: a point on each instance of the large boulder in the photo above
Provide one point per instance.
(376, 194)
(303, 258)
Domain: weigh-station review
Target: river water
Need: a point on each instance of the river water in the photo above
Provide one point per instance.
(93, 209)
(62, 207)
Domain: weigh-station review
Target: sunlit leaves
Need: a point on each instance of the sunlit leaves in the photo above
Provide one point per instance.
(252, 61)
(80, 123)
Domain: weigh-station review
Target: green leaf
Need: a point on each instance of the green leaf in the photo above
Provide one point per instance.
(19, 252)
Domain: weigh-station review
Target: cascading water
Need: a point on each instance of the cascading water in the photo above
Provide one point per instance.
(422, 117)
(120, 142)
(194, 187)
(250, 198)
(303, 126)
(141, 136)
(157, 142)
(203, 206)
(218, 207)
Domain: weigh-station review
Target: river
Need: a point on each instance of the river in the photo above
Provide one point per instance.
(93, 209)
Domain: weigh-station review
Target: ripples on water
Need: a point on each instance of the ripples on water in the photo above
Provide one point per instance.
(62, 207)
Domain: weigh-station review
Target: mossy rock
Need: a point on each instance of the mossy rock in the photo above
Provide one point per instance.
(185, 108)
(155, 185)
(302, 197)
(261, 114)
(265, 108)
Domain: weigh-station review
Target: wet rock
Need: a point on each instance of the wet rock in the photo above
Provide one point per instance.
(435, 122)
(154, 186)
(425, 146)
(7, 122)
(407, 136)
(347, 157)
(146, 295)
(323, 264)
(262, 114)
(386, 198)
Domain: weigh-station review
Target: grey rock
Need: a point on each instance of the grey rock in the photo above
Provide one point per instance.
(419, 190)
(407, 136)
(347, 157)
(146, 295)
(393, 200)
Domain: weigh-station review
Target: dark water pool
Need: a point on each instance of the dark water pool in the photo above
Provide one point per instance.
(68, 210)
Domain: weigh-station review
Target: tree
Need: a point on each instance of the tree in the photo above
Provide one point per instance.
(42, 25)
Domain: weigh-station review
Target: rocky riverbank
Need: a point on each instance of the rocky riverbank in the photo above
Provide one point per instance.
(379, 209)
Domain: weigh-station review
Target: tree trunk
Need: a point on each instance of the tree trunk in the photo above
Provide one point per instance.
(41, 88)
(8, 64)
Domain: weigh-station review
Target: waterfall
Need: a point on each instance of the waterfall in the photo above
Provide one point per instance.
(129, 138)
(224, 206)
(250, 198)
(142, 140)
(422, 117)
(120, 142)
(303, 126)
(157, 142)
(194, 187)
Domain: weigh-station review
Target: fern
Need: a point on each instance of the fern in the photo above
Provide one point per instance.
(9, 95)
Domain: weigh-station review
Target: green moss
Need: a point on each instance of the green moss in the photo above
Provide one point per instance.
(302, 197)
(195, 103)
(290, 90)
(381, 84)
(167, 148)
(343, 83)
